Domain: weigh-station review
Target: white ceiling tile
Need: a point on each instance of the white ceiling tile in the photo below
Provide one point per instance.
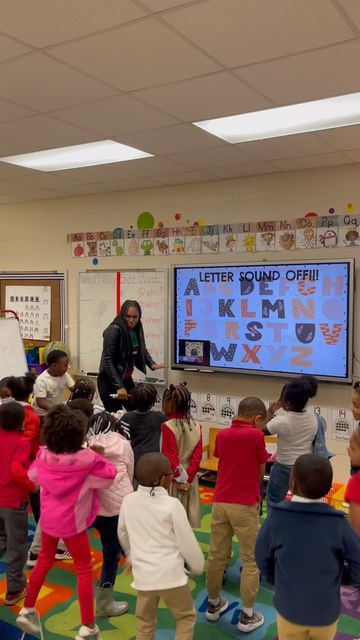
(185, 178)
(138, 55)
(162, 5)
(181, 137)
(212, 96)
(352, 8)
(153, 167)
(287, 147)
(307, 76)
(212, 158)
(42, 83)
(46, 132)
(343, 137)
(44, 23)
(11, 111)
(10, 48)
(309, 162)
(100, 173)
(115, 116)
(239, 33)
(354, 155)
(251, 169)
(129, 183)
(10, 147)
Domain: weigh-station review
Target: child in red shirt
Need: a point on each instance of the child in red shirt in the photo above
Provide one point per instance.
(242, 457)
(15, 487)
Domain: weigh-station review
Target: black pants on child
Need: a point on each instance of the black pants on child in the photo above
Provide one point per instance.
(107, 527)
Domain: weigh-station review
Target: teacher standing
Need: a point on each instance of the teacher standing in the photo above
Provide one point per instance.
(124, 349)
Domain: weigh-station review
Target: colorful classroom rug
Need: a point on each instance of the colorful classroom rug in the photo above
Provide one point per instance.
(60, 615)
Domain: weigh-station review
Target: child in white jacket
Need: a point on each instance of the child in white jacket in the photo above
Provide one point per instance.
(103, 438)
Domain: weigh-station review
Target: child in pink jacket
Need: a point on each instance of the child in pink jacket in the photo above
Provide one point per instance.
(103, 435)
(69, 476)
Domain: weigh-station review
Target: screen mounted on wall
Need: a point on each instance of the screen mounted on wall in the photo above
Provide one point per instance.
(266, 319)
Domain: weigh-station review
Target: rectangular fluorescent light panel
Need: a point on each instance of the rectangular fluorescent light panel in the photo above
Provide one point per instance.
(74, 157)
(341, 111)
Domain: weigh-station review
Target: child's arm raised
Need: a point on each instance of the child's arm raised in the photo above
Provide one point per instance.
(188, 545)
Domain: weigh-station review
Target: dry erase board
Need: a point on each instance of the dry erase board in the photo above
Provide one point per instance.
(101, 294)
(12, 354)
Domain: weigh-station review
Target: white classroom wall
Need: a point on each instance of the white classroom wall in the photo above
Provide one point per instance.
(33, 237)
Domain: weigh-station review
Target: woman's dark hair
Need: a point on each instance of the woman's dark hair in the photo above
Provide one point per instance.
(21, 387)
(12, 416)
(64, 430)
(82, 404)
(126, 306)
(54, 356)
(296, 394)
(84, 388)
(180, 398)
(144, 397)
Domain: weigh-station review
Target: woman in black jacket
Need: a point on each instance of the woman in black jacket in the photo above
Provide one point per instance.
(124, 349)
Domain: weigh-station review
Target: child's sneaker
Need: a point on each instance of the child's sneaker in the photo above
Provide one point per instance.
(62, 554)
(215, 610)
(85, 633)
(28, 621)
(12, 597)
(250, 623)
(32, 559)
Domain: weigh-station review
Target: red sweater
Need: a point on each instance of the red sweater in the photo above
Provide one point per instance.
(14, 463)
(32, 429)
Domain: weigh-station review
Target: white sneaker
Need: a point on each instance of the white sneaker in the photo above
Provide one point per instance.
(247, 623)
(62, 554)
(85, 633)
(28, 621)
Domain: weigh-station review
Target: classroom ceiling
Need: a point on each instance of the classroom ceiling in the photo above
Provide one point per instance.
(140, 71)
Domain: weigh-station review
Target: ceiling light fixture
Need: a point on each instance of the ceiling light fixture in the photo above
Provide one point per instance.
(330, 113)
(74, 157)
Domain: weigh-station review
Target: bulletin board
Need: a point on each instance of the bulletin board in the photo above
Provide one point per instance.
(56, 284)
(101, 294)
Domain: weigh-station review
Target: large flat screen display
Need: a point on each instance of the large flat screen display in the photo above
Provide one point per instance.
(269, 319)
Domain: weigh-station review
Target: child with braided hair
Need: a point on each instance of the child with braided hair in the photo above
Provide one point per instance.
(181, 443)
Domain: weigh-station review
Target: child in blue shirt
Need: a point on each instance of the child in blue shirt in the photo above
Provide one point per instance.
(302, 549)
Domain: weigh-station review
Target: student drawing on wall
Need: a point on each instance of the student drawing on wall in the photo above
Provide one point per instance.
(230, 243)
(352, 238)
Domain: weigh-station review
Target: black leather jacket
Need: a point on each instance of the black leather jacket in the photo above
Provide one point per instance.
(117, 356)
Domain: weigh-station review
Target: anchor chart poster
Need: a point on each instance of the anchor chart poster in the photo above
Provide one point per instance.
(280, 318)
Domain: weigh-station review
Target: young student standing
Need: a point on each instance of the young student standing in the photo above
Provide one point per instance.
(182, 445)
(69, 476)
(295, 430)
(103, 437)
(143, 423)
(242, 456)
(21, 388)
(302, 548)
(157, 539)
(51, 384)
(352, 493)
(15, 487)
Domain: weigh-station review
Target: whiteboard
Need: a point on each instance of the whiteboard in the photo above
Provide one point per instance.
(12, 354)
(101, 294)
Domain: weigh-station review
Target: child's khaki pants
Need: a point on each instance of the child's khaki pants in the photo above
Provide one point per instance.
(227, 520)
(180, 603)
(290, 631)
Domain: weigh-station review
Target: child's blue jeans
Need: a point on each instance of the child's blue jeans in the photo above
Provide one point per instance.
(278, 485)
